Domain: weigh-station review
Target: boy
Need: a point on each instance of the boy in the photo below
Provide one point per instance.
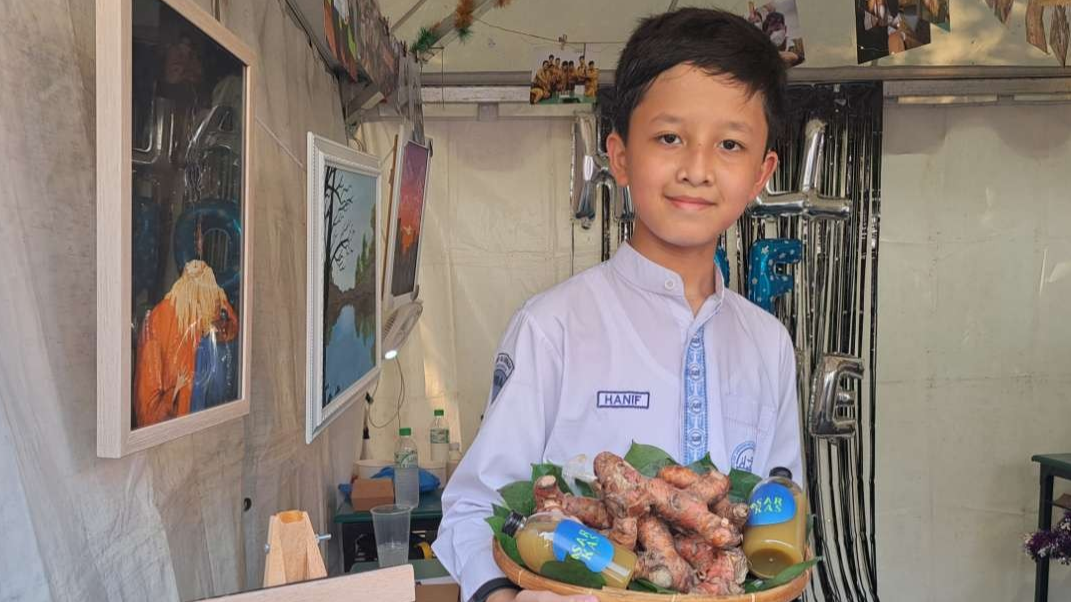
(649, 346)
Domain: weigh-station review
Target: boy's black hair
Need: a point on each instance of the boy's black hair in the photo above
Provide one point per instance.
(713, 40)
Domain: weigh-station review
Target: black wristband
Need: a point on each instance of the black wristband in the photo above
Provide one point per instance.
(491, 587)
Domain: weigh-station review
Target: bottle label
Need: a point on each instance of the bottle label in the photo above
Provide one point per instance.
(586, 545)
(771, 504)
(405, 458)
(440, 436)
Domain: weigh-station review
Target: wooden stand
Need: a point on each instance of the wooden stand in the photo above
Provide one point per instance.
(293, 550)
(395, 584)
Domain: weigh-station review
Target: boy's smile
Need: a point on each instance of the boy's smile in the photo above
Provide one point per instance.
(696, 156)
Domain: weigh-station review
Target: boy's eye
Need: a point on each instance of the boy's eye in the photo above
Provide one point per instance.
(669, 138)
(732, 145)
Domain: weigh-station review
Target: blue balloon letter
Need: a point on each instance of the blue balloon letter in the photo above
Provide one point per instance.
(722, 260)
(765, 282)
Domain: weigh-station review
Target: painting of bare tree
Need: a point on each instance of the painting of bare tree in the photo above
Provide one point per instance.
(349, 349)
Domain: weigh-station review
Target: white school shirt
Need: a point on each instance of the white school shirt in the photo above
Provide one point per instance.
(615, 355)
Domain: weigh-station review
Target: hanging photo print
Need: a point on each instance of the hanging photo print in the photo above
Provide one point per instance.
(344, 280)
(780, 21)
(935, 12)
(563, 75)
(338, 27)
(1002, 9)
(885, 27)
(1060, 33)
(1035, 26)
(172, 222)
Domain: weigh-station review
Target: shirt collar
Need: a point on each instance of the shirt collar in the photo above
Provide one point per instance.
(653, 278)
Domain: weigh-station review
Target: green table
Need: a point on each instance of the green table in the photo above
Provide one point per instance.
(424, 518)
(422, 569)
(1052, 466)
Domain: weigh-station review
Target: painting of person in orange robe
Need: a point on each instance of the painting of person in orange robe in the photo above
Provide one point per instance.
(183, 364)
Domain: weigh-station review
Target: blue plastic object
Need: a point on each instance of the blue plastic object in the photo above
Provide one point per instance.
(428, 481)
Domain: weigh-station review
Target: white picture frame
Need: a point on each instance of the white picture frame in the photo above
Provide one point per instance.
(119, 346)
(336, 372)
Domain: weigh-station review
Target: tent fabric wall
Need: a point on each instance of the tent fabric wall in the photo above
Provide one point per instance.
(973, 340)
(167, 523)
(497, 231)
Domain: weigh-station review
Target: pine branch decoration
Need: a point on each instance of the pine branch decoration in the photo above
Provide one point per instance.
(424, 41)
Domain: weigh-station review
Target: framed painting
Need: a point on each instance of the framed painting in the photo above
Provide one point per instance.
(408, 197)
(344, 296)
(174, 115)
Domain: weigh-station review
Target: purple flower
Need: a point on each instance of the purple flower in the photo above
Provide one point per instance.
(1051, 545)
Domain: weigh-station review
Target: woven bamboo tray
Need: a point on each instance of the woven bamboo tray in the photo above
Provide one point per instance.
(529, 580)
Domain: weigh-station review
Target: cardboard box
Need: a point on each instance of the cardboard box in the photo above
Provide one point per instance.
(368, 493)
(444, 592)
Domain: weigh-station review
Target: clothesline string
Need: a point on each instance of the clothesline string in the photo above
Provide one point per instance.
(735, 8)
(546, 39)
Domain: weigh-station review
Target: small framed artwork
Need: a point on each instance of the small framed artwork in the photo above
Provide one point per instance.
(174, 114)
(408, 197)
(344, 272)
(409, 192)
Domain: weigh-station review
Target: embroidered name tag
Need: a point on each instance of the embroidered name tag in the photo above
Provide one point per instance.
(624, 399)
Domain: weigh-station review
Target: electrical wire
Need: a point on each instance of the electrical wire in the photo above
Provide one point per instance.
(401, 398)
(568, 42)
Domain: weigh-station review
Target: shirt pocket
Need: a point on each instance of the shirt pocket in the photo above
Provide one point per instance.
(749, 418)
(642, 415)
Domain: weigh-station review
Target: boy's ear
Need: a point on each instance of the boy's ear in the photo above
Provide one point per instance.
(615, 150)
(769, 165)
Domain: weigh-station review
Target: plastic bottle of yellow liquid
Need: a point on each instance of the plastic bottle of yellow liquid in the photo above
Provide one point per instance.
(552, 536)
(776, 534)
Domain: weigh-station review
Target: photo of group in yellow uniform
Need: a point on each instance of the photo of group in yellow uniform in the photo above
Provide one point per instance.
(563, 76)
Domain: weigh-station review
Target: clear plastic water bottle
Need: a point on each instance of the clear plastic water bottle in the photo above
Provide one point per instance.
(454, 459)
(406, 470)
(440, 438)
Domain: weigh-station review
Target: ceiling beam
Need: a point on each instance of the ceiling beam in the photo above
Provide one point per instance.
(806, 75)
(408, 13)
(1050, 89)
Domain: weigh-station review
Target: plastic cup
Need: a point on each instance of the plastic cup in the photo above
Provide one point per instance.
(391, 526)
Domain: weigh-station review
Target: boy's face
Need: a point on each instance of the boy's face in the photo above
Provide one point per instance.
(696, 156)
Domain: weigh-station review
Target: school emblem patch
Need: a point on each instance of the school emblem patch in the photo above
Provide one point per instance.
(503, 370)
(743, 456)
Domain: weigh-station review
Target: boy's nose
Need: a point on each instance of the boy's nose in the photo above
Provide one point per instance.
(697, 168)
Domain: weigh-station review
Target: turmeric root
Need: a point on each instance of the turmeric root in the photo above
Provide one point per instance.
(736, 513)
(684, 510)
(717, 587)
(623, 487)
(624, 532)
(590, 511)
(546, 493)
(710, 563)
(718, 572)
(660, 563)
(710, 487)
(627, 493)
(680, 477)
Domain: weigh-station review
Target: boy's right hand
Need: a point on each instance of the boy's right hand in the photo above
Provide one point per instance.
(508, 595)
